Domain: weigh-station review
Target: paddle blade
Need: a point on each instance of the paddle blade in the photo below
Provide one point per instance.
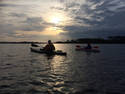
(95, 47)
(78, 46)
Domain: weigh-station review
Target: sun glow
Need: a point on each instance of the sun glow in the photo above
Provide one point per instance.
(55, 20)
(52, 31)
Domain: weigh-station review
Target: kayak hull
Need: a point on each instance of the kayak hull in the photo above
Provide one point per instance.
(87, 50)
(46, 52)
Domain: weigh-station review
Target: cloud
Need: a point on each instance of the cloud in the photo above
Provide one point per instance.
(18, 15)
(89, 18)
(97, 18)
(33, 24)
(9, 5)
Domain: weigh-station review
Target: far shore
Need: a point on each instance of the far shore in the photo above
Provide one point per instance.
(64, 42)
(109, 40)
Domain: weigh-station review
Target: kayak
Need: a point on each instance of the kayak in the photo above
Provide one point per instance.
(34, 45)
(88, 50)
(42, 51)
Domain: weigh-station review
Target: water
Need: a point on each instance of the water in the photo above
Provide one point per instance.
(24, 72)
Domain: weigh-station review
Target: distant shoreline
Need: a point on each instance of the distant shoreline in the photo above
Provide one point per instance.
(65, 43)
(109, 40)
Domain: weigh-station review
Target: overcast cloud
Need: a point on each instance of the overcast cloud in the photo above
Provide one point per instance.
(25, 19)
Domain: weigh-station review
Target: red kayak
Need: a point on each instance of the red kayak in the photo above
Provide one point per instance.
(94, 49)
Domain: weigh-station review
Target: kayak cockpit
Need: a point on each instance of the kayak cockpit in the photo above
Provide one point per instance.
(42, 51)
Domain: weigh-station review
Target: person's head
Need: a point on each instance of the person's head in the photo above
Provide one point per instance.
(49, 42)
(88, 43)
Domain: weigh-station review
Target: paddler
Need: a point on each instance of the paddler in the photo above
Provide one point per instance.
(88, 46)
(49, 47)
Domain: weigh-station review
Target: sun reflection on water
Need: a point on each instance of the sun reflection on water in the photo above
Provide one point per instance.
(58, 66)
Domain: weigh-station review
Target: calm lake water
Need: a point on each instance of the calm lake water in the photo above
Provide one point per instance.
(25, 72)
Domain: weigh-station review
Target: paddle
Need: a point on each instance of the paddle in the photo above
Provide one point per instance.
(78, 46)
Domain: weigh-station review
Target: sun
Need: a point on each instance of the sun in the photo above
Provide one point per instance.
(58, 18)
(55, 20)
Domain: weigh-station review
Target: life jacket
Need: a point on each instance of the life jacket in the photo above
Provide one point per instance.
(88, 47)
(49, 47)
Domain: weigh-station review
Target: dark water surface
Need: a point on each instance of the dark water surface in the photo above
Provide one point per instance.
(24, 72)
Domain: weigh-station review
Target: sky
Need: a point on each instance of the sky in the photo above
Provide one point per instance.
(41, 20)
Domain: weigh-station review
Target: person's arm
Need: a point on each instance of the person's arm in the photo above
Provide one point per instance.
(46, 47)
(53, 47)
